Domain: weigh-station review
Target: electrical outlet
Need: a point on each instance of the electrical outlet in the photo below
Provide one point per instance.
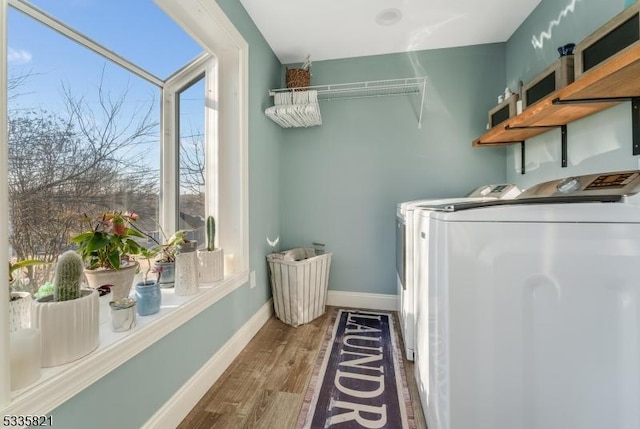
(252, 279)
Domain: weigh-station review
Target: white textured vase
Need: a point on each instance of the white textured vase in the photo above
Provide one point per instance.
(26, 355)
(120, 280)
(69, 329)
(211, 265)
(186, 273)
(20, 311)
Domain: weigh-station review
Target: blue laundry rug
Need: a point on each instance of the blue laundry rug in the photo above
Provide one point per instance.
(359, 379)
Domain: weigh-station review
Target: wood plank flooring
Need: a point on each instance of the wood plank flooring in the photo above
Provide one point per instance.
(264, 387)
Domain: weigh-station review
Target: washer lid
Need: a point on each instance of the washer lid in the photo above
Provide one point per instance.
(565, 199)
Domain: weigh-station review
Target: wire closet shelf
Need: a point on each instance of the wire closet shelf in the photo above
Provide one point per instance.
(376, 88)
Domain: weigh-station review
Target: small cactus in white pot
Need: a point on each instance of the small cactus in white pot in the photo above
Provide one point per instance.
(212, 259)
(69, 319)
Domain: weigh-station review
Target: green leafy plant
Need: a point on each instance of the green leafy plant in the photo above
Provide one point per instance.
(22, 264)
(110, 240)
(168, 250)
(13, 266)
(149, 254)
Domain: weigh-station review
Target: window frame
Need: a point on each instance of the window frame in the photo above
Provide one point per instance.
(205, 21)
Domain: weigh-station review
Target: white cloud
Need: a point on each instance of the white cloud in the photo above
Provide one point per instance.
(18, 56)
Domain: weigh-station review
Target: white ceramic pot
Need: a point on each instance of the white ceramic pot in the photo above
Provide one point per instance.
(211, 265)
(19, 311)
(186, 274)
(69, 329)
(120, 280)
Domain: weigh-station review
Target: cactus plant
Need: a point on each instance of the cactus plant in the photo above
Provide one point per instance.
(68, 276)
(211, 233)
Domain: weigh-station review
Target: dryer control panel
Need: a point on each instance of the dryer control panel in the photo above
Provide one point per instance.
(500, 191)
(624, 183)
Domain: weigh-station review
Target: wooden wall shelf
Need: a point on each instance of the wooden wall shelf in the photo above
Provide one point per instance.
(606, 85)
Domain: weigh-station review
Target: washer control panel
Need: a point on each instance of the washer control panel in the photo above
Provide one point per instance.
(618, 183)
(500, 191)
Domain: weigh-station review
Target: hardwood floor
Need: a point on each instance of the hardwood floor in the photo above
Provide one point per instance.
(264, 387)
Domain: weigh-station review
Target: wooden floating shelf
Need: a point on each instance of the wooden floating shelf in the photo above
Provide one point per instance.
(618, 77)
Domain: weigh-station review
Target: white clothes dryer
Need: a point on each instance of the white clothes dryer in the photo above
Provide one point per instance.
(535, 308)
(405, 252)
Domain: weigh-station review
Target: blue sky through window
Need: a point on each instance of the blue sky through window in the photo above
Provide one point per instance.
(137, 30)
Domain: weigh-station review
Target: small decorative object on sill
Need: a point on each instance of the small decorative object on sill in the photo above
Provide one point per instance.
(68, 320)
(19, 311)
(503, 111)
(123, 314)
(105, 296)
(187, 269)
(613, 38)
(167, 272)
(26, 357)
(19, 302)
(148, 297)
(211, 259)
(555, 77)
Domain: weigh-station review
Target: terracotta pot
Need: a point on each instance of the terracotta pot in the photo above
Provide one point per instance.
(120, 280)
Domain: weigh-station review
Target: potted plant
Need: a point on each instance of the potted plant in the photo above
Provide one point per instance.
(165, 264)
(20, 302)
(107, 250)
(212, 259)
(68, 319)
(148, 295)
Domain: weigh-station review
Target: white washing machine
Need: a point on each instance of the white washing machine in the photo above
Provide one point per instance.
(536, 309)
(405, 252)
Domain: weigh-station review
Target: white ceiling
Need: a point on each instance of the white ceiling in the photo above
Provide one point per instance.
(329, 29)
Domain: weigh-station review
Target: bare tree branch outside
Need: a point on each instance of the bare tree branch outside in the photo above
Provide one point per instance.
(84, 160)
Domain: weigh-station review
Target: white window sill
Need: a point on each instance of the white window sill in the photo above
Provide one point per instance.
(56, 385)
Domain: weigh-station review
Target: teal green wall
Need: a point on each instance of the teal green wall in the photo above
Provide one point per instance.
(340, 182)
(131, 394)
(598, 143)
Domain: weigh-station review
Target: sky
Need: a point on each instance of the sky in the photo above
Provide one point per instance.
(136, 30)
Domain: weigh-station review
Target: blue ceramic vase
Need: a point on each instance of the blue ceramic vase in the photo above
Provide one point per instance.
(148, 297)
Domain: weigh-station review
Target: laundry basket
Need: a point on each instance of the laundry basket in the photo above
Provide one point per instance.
(299, 282)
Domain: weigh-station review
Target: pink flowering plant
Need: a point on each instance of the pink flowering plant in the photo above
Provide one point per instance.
(110, 241)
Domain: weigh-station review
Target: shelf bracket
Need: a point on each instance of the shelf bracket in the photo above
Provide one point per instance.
(522, 158)
(563, 136)
(635, 115)
(635, 125)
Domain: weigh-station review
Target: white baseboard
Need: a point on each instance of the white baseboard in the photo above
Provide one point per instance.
(185, 399)
(370, 301)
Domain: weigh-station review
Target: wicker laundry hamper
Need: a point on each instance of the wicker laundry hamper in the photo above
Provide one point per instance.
(299, 282)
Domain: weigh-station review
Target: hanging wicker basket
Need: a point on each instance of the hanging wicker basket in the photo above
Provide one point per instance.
(298, 78)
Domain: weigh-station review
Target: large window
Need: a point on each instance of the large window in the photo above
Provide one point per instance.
(191, 155)
(69, 99)
(83, 139)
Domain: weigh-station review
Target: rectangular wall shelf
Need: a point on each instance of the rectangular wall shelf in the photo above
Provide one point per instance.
(606, 85)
